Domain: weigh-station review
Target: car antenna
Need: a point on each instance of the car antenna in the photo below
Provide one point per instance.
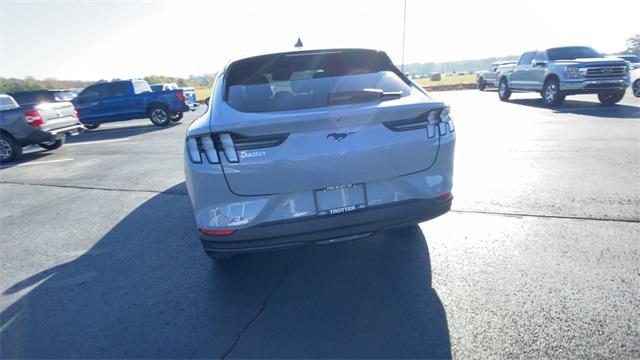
(298, 44)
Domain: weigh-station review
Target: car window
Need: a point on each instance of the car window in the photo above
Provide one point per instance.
(539, 56)
(493, 68)
(526, 58)
(94, 91)
(572, 53)
(7, 103)
(118, 89)
(309, 80)
(141, 86)
(156, 87)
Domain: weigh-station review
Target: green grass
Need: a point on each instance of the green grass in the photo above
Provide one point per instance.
(448, 80)
(202, 93)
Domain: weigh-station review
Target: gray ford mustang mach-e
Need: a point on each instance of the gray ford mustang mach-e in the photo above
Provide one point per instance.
(315, 146)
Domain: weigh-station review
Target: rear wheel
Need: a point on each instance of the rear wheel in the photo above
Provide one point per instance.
(551, 94)
(91, 126)
(9, 148)
(611, 98)
(177, 117)
(52, 145)
(218, 256)
(503, 90)
(636, 88)
(481, 84)
(159, 115)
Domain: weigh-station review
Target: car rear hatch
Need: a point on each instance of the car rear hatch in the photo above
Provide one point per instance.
(56, 115)
(279, 152)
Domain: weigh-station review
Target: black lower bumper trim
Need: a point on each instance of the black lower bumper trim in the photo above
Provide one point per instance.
(319, 229)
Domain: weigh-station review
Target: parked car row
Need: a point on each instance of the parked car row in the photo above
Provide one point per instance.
(45, 117)
(559, 72)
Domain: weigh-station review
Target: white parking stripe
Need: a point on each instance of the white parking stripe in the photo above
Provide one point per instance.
(37, 162)
(96, 142)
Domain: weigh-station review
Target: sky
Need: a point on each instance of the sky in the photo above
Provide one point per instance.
(91, 40)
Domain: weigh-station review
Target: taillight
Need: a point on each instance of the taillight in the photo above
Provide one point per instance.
(180, 96)
(33, 118)
(437, 122)
(443, 197)
(229, 145)
(75, 113)
(216, 232)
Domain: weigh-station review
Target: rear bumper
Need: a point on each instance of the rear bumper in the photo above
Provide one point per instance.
(326, 229)
(43, 136)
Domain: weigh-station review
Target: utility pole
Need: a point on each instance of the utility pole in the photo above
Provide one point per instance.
(404, 29)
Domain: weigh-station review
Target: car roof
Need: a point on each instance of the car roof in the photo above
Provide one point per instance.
(302, 52)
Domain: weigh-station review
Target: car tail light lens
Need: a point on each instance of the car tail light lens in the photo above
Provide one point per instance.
(33, 118)
(444, 196)
(180, 95)
(436, 121)
(75, 113)
(216, 232)
(212, 144)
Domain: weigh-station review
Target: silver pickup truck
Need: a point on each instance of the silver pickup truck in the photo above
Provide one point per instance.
(45, 124)
(489, 77)
(558, 72)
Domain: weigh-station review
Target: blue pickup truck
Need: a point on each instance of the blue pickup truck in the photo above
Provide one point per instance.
(128, 99)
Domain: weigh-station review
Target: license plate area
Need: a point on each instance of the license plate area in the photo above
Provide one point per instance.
(340, 199)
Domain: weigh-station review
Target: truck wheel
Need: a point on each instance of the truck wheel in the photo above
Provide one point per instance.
(52, 145)
(636, 88)
(219, 256)
(481, 84)
(159, 115)
(91, 126)
(611, 98)
(503, 90)
(9, 148)
(177, 117)
(551, 94)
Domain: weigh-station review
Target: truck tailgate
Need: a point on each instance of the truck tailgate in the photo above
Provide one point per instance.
(57, 115)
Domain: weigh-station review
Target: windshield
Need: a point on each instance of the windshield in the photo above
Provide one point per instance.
(572, 53)
(311, 80)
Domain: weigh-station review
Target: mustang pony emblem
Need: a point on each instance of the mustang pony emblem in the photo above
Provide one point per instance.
(339, 136)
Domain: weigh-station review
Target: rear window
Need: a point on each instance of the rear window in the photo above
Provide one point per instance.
(141, 86)
(309, 79)
(7, 103)
(156, 87)
(35, 97)
(572, 53)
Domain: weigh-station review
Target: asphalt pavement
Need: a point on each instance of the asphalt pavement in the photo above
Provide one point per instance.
(539, 258)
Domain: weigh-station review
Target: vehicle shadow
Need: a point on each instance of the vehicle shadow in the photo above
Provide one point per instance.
(145, 289)
(116, 133)
(588, 108)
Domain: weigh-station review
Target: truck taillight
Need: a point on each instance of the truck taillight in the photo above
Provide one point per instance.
(180, 96)
(33, 118)
(75, 113)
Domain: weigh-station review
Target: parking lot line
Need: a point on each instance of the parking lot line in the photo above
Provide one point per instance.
(97, 142)
(37, 162)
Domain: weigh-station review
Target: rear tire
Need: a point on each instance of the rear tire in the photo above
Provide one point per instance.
(177, 117)
(481, 84)
(504, 92)
(159, 115)
(53, 145)
(636, 88)
(218, 256)
(551, 94)
(91, 126)
(10, 150)
(610, 98)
